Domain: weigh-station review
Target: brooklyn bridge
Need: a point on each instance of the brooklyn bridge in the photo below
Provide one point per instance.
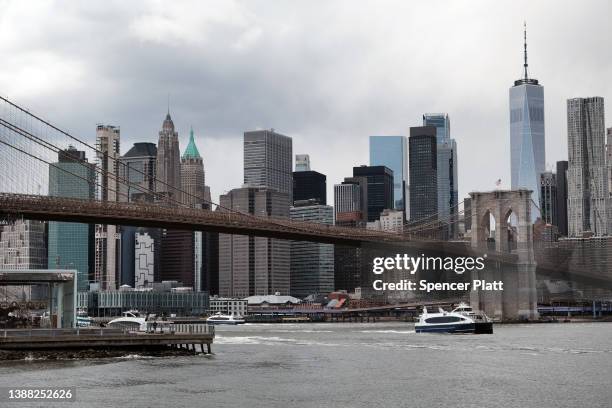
(30, 145)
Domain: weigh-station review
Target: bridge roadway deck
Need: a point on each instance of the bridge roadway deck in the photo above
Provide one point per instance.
(158, 216)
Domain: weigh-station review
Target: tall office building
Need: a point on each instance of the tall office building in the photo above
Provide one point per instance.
(181, 252)
(548, 197)
(175, 251)
(137, 171)
(448, 180)
(254, 265)
(108, 140)
(72, 245)
(250, 265)
(609, 164)
(587, 174)
(309, 185)
(441, 122)
(193, 181)
(177, 256)
(145, 259)
(168, 164)
(527, 145)
(210, 281)
(195, 194)
(351, 210)
(302, 162)
(392, 152)
(379, 189)
(562, 197)
(268, 161)
(422, 147)
(108, 237)
(23, 245)
(609, 158)
(312, 264)
(350, 202)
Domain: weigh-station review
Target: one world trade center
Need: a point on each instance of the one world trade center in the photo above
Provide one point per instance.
(527, 133)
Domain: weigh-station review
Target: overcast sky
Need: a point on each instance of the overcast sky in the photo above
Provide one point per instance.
(326, 73)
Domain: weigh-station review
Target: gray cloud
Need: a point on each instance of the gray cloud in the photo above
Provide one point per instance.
(327, 73)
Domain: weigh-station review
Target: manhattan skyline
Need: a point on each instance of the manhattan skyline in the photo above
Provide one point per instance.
(246, 66)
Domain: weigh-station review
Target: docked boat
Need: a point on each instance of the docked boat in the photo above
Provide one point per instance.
(83, 320)
(462, 319)
(131, 320)
(219, 318)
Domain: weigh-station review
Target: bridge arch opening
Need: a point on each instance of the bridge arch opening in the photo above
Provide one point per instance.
(511, 223)
(486, 230)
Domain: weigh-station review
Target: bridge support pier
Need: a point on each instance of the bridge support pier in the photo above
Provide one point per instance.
(518, 300)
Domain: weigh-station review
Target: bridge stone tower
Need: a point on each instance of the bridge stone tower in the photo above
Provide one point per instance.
(513, 237)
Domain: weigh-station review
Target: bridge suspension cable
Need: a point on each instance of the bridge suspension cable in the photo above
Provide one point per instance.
(56, 149)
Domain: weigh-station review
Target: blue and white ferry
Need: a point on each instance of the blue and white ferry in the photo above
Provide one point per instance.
(461, 320)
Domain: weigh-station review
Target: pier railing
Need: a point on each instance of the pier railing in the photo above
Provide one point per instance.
(79, 331)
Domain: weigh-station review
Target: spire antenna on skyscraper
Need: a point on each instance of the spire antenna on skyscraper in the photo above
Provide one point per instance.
(527, 141)
(525, 44)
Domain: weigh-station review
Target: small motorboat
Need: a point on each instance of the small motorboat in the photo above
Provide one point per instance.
(219, 318)
(130, 320)
(461, 320)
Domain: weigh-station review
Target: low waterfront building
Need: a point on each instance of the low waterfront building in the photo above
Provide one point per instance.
(114, 303)
(271, 301)
(233, 306)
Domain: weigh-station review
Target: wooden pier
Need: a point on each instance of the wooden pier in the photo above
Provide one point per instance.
(103, 338)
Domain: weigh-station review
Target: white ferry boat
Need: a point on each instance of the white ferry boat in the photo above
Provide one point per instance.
(463, 319)
(219, 318)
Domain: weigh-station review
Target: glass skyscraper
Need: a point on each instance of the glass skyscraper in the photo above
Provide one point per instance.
(392, 152)
(71, 245)
(448, 188)
(312, 263)
(441, 122)
(379, 189)
(268, 161)
(422, 147)
(527, 146)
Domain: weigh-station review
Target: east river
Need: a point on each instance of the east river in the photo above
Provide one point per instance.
(347, 365)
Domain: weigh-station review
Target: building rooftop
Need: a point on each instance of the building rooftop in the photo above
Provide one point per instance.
(191, 152)
(272, 299)
(142, 149)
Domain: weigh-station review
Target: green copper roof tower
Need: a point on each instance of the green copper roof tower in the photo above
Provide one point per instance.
(191, 152)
